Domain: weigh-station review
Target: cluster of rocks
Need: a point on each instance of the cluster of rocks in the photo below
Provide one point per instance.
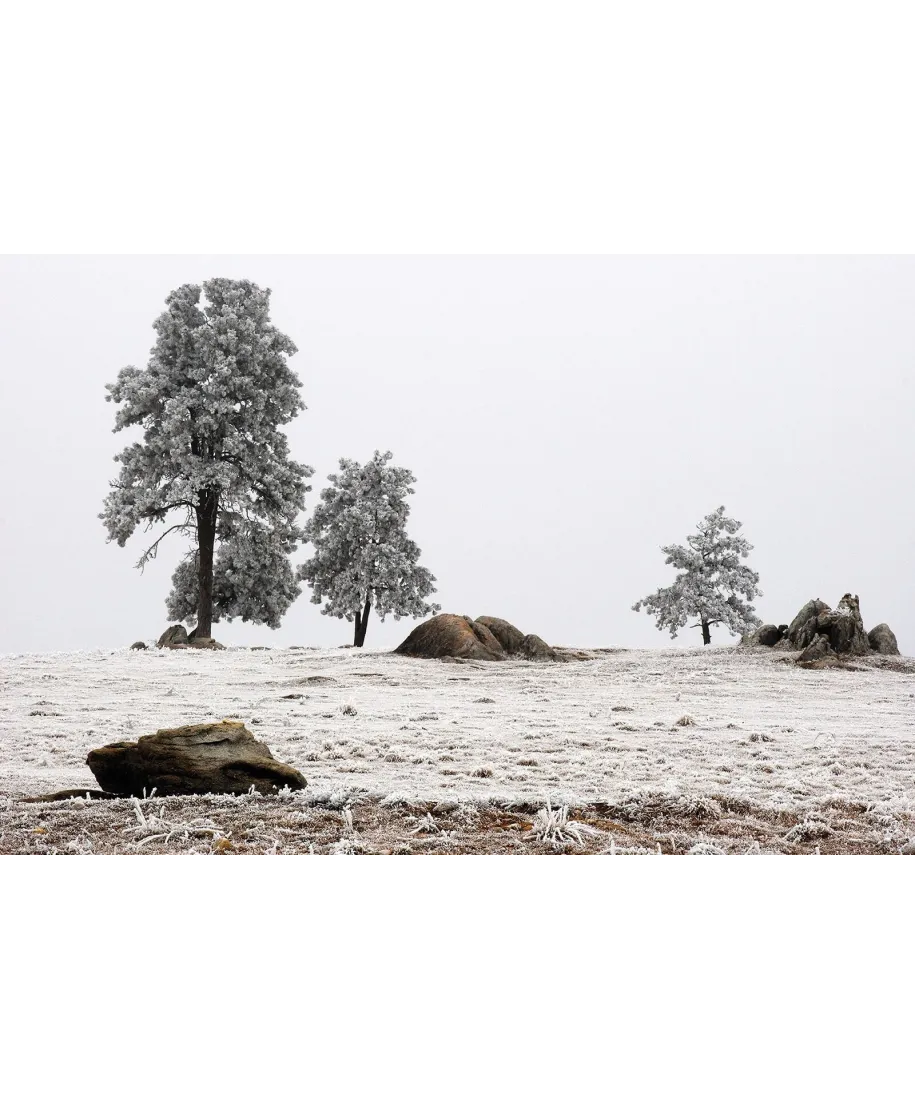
(177, 637)
(198, 758)
(821, 633)
(487, 638)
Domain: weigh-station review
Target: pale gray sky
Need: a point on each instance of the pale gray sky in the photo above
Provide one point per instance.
(564, 417)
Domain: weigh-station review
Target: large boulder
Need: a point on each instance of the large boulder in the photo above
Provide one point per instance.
(487, 638)
(841, 626)
(766, 635)
(882, 640)
(844, 627)
(803, 629)
(198, 758)
(450, 636)
(815, 652)
(537, 649)
(509, 637)
(515, 642)
(175, 636)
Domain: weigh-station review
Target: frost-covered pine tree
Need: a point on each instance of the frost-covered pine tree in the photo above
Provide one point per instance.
(363, 557)
(714, 586)
(212, 463)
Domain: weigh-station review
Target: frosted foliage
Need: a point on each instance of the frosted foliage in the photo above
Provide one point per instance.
(362, 551)
(210, 401)
(252, 580)
(714, 585)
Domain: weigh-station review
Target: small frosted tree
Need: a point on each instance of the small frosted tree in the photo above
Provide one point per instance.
(363, 557)
(210, 401)
(714, 585)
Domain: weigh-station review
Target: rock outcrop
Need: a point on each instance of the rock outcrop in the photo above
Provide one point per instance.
(882, 641)
(823, 634)
(803, 628)
(509, 637)
(198, 758)
(175, 636)
(487, 638)
(537, 649)
(450, 636)
(766, 635)
(816, 651)
(139, 645)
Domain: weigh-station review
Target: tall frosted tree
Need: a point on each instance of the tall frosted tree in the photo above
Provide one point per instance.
(363, 557)
(714, 586)
(212, 463)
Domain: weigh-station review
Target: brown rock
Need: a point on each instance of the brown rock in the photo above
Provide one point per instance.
(537, 649)
(205, 643)
(882, 640)
(452, 636)
(174, 636)
(138, 646)
(814, 652)
(766, 635)
(803, 630)
(507, 634)
(844, 627)
(198, 758)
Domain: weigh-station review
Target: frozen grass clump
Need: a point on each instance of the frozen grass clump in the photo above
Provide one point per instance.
(554, 826)
(702, 807)
(685, 721)
(811, 827)
(704, 848)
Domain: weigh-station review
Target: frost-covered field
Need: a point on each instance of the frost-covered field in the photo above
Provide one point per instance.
(730, 739)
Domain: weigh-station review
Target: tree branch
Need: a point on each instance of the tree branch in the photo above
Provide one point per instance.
(150, 553)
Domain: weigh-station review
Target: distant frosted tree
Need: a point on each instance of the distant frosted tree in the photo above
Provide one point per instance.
(363, 557)
(210, 401)
(714, 586)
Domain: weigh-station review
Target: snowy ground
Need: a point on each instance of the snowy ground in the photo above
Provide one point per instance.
(727, 736)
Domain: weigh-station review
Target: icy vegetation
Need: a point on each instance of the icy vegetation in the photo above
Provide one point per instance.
(693, 748)
(363, 556)
(212, 459)
(713, 587)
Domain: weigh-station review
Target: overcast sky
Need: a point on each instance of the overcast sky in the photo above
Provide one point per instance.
(564, 417)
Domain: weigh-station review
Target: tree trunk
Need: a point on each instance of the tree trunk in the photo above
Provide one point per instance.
(706, 634)
(362, 622)
(206, 542)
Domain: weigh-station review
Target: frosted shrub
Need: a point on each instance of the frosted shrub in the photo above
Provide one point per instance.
(698, 807)
(554, 826)
(704, 848)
